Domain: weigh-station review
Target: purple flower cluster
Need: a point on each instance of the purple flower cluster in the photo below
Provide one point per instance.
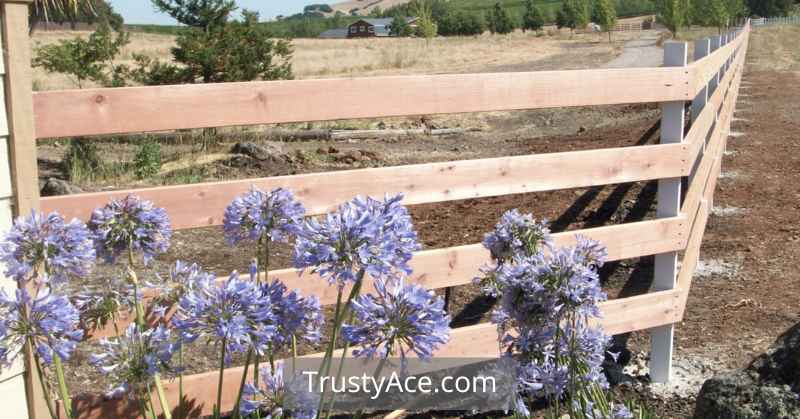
(515, 236)
(547, 297)
(294, 315)
(257, 214)
(49, 321)
(363, 234)
(398, 316)
(48, 247)
(542, 289)
(271, 395)
(130, 224)
(171, 289)
(100, 306)
(231, 312)
(131, 360)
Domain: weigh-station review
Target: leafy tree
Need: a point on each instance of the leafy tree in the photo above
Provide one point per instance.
(89, 59)
(217, 49)
(716, 12)
(606, 15)
(736, 9)
(532, 19)
(461, 23)
(426, 26)
(770, 8)
(670, 13)
(574, 14)
(499, 20)
(400, 27)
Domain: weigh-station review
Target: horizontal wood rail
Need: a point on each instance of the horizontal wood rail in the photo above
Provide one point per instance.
(70, 113)
(202, 205)
(478, 341)
(707, 67)
(453, 266)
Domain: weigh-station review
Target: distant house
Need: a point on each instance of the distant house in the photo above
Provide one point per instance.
(334, 34)
(366, 28)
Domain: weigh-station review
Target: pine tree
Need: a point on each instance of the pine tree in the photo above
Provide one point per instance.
(499, 20)
(605, 15)
(399, 27)
(716, 12)
(533, 19)
(215, 49)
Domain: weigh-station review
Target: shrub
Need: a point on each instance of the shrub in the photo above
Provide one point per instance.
(147, 161)
(86, 59)
(532, 19)
(81, 162)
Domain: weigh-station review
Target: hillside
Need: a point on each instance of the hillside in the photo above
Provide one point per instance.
(365, 6)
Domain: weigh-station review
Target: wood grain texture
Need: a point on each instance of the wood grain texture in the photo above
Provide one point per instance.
(441, 268)
(707, 68)
(19, 105)
(618, 316)
(69, 113)
(202, 205)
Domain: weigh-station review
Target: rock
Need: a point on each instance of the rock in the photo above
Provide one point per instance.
(581, 130)
(259, 152)
(54, 187)
(767, 388)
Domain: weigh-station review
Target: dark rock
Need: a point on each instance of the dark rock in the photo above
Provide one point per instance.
(767, 388)
(581, 130)
(738, 395)
(54, 187)
(613, 364)
(258, 152)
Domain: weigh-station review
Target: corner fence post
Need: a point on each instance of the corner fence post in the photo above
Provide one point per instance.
(19, 181)
(669, 201)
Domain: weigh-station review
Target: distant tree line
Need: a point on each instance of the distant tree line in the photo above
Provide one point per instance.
(679, 14)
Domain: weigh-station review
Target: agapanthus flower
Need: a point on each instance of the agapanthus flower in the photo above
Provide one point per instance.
(272, 395)
(515, 236)
(363, 234)
(294, 315)
(542, 379)
(398, 317)
(130, 224)
(55, 249)
(257, 214)
(175, 285)
(229, 312)
(131, 360)
(51, 323)
(101, 305)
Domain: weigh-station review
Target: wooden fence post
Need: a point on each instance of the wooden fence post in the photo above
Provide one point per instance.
(669, 203)
(22, 171)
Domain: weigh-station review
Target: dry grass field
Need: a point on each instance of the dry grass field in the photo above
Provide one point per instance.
(323, 58)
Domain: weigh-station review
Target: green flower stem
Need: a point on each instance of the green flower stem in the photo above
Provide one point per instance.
(329, 350)
(162, 397)
(294, 354)
(241, 385)
(62, 385)
(181, 411)
(218, 406)
(43, 381)
(142, 406)
(353, 294)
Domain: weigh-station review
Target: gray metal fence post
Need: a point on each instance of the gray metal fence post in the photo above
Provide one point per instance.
(669, 199)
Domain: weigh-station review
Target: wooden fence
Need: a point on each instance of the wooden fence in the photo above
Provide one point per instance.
(710, 83)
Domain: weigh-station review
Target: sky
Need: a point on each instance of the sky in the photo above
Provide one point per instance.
(141, 11)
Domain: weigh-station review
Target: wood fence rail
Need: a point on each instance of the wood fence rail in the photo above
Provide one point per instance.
(711, 83)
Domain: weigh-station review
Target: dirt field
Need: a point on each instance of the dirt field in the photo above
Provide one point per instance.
(745, 292)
